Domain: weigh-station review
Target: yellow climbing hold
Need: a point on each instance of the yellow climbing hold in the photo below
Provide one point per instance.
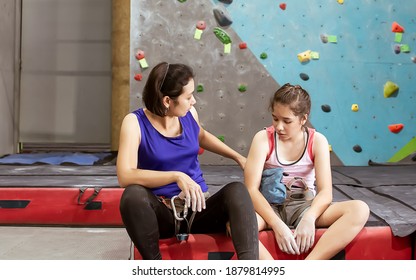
(390, 88)
(340, 1)
(354, 107)
(304, 56)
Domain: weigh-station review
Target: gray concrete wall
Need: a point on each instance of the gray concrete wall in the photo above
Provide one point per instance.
(66, 71)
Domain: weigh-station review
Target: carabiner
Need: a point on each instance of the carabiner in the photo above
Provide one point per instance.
(175, 213)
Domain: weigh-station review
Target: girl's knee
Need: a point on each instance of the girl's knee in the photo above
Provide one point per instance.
(261, 223)
(360, 211)
(363, 208)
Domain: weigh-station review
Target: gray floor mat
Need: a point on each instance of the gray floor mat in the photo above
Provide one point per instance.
(63, 243)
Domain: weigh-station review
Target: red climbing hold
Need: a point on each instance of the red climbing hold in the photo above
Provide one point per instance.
(396, 128)
(395, 27)
(139, 54)
(242, 45)
(200, 151)
(201, 25)
(282, 6)
(138, 77)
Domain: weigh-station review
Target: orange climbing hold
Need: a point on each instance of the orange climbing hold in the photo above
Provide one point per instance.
(395, 27)
(396, 128)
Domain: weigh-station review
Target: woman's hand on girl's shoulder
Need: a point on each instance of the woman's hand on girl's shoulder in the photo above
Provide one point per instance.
(241, 160)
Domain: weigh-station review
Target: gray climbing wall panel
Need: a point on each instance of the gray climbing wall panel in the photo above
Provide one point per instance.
(165, 30)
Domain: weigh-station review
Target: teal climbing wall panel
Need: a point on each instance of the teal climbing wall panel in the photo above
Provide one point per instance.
(352, 70)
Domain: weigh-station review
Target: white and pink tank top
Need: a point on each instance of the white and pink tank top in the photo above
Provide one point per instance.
(303, 167)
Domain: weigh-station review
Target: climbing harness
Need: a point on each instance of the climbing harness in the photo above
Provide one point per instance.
(298, 191)
(180, 213)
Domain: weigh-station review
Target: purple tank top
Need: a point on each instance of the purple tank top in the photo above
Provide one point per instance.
(180, 153)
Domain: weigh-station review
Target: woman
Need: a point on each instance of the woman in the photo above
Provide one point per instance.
(302, 155)
(158, 160)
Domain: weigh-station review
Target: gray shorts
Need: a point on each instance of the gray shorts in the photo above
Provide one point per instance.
(291, 212)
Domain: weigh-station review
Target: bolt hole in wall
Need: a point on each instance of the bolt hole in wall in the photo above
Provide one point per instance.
(328, 47)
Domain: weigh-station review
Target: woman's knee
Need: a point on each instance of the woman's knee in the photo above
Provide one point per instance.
(133, 195)
(236, 189)
(236, 194)
(237, 201)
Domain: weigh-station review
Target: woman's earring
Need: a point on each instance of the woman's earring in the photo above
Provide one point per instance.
(166, 110)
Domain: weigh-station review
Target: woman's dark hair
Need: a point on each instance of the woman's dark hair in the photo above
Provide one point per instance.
(295, 96)
(165, 80)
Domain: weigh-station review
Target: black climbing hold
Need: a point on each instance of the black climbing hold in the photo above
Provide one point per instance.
(357, 149)
(324, 38)
(304, 76)
(397, 49)
(326, 108)
(222, 17)
(226, 1)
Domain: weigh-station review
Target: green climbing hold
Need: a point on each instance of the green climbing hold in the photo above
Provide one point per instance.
(390, 88)
(200, 88)
(182, 1)
(406, 151)
(242, 88)
(221, 137)
(222, 35)
(263, 55)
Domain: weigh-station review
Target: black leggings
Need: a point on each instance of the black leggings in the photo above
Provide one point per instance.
(147, 219)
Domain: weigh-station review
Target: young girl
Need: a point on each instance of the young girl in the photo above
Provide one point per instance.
(158, 160)
(303, 153)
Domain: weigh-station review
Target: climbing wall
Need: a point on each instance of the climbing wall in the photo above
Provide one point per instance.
(355, 58)
(233, 88)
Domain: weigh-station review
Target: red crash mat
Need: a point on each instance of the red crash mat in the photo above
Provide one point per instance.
(372, 243)
(60, 206)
